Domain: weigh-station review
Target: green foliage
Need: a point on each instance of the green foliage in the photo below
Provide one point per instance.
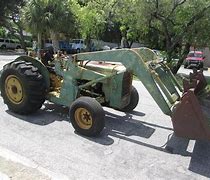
(125, 13)
(2, 32)
(92, 17)
(172, 26)
(9, 7)
(168, 25)
(91, 22)
(47, 16)
(10, 19)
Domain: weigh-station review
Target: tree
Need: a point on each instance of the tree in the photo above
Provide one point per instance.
(9, 7)
(49, 17)
(93, 18)
(91, 21)
(9, 18)
(15, 28)
(124, 13)
(2, 32)
(175, 25)
(99, 17)
(60, 20)
(169, 25)
(34, 19)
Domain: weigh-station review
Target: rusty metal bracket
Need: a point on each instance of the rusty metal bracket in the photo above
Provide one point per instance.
(196, 81)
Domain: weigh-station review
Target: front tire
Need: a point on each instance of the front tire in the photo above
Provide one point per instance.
(3, 47)
(22, 87)
(87, 116)
(134, 99)
(78, 51)
(200, 65)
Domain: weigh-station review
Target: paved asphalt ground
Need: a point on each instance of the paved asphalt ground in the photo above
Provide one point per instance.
(136, 146)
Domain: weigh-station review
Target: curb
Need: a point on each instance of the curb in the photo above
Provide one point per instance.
(16, 158)
(10, 54)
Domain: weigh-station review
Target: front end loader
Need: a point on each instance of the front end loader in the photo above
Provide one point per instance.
(87, 81)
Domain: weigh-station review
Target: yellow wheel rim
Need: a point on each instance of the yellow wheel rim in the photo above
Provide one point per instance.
(83, 118)
(14, 89)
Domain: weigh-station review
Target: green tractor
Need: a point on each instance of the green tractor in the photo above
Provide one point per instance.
(87, 81)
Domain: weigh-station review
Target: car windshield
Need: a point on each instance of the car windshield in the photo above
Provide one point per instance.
(199, 55)
(76, 41)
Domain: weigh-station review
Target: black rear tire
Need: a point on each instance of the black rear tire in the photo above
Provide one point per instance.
(22, 87)
(200, 66)
(87, 116)
(134, 99)
(78, 51)
(3, 47)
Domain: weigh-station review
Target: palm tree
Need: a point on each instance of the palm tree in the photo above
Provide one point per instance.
(60, 19)
(34, 19)
(49, 16)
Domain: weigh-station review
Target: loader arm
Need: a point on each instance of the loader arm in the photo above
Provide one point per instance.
(143, 63)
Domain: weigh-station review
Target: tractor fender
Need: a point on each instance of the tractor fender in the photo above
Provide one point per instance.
(38, 64)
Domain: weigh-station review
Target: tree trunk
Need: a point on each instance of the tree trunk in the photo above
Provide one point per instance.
(39, 44)
(88, 43)
(124, 43)
(182, 58)
(130, 44)
(55, 43)
(39, 40)
(22, 40)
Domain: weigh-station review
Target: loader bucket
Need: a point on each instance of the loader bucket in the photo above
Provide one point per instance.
(191, 116)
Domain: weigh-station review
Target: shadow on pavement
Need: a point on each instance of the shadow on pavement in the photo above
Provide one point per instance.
(200, 156)
(137, 113)
(200, 160)
(123, 127)
(127, 126)
(47, 115)
(177, 145)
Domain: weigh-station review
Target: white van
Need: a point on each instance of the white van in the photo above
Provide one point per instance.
(9, 44)
(78, 45)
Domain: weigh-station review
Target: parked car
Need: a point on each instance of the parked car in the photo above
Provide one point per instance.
(65, 46)
(194, 59)
(106, 48)
(48, 43)
(9, 44)
(78, 45)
